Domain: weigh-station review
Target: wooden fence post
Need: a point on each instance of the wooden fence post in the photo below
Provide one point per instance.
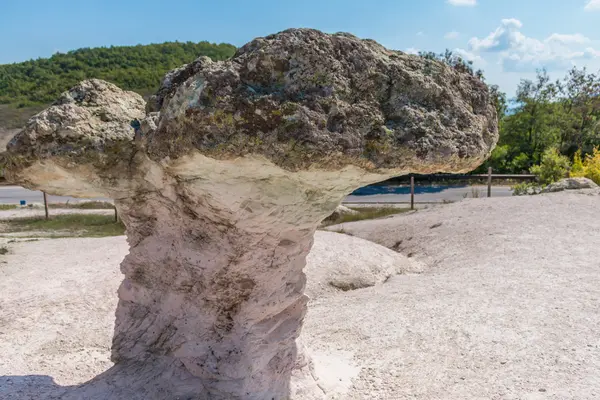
(490, 182)
(46, 204)
(412, 192)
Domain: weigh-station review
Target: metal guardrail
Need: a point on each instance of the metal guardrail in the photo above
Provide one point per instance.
(489, 176)
(458, 177)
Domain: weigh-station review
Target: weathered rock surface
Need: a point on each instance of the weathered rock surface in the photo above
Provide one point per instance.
(570, 184)
(73, 145)
(90, 117)
(304, 98)
(223, 185)
(344, 262)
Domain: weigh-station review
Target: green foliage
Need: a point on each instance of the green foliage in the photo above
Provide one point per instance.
(588, 168)
(553, 167)
(520, 163)
(564, 115)
(577, 170)
(139, 68)
(453, 60)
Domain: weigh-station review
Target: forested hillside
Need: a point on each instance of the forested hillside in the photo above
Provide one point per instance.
(26, 86)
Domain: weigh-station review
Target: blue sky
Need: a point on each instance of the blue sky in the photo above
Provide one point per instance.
(508, 39)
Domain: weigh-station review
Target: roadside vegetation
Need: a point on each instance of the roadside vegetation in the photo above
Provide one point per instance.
(363, 213)
(66, 225)
(555, 166)
(84, 205)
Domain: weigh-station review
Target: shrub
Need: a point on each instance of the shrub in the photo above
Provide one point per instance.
(520, 163)
(523, 189)
(588, 168)
(577, 170)
(592, 166)
(553, 167)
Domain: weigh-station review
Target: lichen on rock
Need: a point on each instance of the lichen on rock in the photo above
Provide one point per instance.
(338, 100)
(570, 184)
(223, 184)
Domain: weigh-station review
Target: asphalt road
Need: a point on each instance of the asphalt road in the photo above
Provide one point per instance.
(380, 194)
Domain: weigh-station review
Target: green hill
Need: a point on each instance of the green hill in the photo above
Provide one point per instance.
(26, 87)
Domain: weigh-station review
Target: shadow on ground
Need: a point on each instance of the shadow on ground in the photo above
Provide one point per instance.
(30, 387)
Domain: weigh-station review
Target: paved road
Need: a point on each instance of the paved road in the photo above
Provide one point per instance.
(424, 194)
(380, 194)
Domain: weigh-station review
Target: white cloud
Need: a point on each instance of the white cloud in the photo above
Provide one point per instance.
(420, 33)
(412, 50)
(501, 39)
(593, 5)
(591, 53)
(577, 38)
(469, 56)
(467, 3)
(452, 35)
(521, 53)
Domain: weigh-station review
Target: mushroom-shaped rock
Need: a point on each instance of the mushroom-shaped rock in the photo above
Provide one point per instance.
(223, 186)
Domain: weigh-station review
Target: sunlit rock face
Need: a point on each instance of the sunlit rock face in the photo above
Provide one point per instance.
(222, 184)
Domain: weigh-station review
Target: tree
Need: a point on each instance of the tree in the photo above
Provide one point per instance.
(531, 129)
(581, 108)
(553, 167)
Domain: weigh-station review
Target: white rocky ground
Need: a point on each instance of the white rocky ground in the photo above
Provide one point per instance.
(506, 307)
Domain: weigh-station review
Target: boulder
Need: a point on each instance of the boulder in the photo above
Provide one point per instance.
(570, 184)
(343, 262)
(223, 184)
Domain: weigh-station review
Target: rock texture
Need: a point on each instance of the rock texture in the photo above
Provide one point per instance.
(570, 184)
(343, 262)
(223, 185)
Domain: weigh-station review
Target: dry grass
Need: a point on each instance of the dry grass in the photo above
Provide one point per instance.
(68, 225)
(367, 213)
(475, 193)
(5, 207)
(86, 205)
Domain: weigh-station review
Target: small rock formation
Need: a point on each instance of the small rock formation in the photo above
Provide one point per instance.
(344, 262)
(338, 213)
(223, 183)
(570, 184)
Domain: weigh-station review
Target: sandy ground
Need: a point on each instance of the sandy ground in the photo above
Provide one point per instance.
(506, 307)
(509, 308)
(58, 296)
